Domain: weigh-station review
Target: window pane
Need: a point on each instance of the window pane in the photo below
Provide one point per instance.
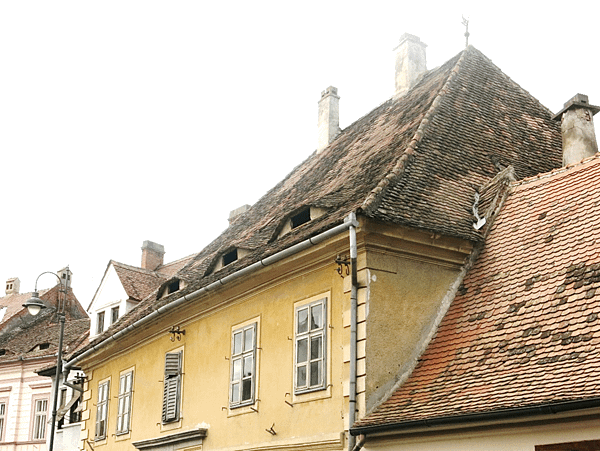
(237, 370)
(316, 316)
(302, 351)
(235, 392)
(237, 343)
(248, 366)
(248, 339)
(301, 376)
(316, 348)
(246, 389)
(315, 373)
(302, 320)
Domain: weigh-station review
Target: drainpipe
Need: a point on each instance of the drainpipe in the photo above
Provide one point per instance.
(353, 327)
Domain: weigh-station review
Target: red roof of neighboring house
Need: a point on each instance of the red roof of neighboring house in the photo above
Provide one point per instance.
(524, 329)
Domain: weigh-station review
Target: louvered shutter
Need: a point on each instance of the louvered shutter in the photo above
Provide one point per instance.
(172, 387)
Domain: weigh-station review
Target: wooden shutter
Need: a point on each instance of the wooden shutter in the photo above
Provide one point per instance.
(172, 387)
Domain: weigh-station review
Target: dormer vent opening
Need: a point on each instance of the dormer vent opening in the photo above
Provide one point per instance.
(173, 286)
(230, 257)
(300, 218)
(40, 347)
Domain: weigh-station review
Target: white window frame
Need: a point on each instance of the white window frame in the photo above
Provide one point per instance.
(125, 402)
(3, 414)
(100, 324)
(171, 409)
(40, 415)
(310, 335)
(243, 358)
(101, 429)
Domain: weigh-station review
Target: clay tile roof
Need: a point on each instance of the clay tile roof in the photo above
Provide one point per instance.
(138, 282)
(416, 160)
(524, 329)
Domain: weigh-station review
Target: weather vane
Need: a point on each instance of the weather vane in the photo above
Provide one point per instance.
(465, 22)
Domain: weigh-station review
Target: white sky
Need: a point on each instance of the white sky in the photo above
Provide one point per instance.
(124, 121)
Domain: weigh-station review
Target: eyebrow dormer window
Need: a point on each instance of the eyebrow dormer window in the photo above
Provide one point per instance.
(40, 347)
(300, 218)
(230, 257)
(173, 287)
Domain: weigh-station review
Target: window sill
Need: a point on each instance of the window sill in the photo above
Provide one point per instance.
(172, 425)
(123, 436)
(242, 410)
(312, 395)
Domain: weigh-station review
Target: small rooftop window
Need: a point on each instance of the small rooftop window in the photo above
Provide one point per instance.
(40, 347)
(300, 218)
(230, 257)
(173, 286)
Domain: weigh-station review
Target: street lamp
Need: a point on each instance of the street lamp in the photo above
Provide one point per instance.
(34, 305)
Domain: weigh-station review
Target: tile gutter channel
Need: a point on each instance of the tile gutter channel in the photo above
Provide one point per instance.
(349, 222)
(506, 414)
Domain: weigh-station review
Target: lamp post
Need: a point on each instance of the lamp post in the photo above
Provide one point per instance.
(34, 305)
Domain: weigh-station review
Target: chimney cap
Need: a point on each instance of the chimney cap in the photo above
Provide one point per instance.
(410, 37)
(577, 101)
(331, 90)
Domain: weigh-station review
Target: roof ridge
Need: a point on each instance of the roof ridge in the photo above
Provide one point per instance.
(554, 172)
(134, 268)
(374, 197)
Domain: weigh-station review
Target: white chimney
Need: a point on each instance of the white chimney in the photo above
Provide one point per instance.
(329, 118)
(577, 126)
(13, 285)
(238, 211)
(411, 63)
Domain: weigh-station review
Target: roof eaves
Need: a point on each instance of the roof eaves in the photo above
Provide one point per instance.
(516, 413)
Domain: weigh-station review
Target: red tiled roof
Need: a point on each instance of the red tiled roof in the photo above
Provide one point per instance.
(524, 328)
(137, 282)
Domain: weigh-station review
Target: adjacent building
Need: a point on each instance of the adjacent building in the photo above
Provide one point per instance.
(28, 343)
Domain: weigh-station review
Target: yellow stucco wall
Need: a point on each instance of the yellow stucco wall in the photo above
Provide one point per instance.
(317, 417)
(398, 294)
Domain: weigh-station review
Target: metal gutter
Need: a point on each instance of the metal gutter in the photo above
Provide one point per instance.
(349, 221)
(506, 414)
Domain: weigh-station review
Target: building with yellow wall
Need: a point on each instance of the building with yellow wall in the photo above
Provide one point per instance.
(300, 318)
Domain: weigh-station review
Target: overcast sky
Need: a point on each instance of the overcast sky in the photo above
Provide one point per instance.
(124, 121)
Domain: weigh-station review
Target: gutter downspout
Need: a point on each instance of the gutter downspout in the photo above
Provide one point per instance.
(353, 328)
(349, 221)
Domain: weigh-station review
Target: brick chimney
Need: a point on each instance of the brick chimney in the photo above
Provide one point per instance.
(577, 126)
(411, 63)
(329, 118)
(152, 255)
(13, 285)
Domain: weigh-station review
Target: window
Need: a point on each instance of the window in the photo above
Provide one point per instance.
(300, 218)
(102, 410)
(39, 419)
(230, 257)
(124, 407)
(310, 344)
(243, 357)
(173, 287)
(100, 323)
(2, 419)
(114, 314)
(172, 387)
